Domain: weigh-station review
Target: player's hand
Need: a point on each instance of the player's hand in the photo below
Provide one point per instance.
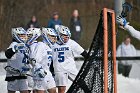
(32, 61)
(19, 46)
(40, 72)
(121, 21)
(24, 69)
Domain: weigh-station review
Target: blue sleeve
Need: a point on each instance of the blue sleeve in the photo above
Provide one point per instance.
(60, 22)
(50, 24)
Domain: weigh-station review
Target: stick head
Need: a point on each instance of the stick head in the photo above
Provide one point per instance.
(126, 8)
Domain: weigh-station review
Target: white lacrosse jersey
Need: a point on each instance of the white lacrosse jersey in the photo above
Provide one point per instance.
(63, 58)
(42, 54)
(76, 48)
(16, 61)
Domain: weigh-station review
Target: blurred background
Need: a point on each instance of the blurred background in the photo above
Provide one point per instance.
(14, 13)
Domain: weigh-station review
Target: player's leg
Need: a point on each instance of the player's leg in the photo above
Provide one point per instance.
(30, 84)
(51, 86)
(23, 86)
(61, 89)
(40, 91)
(9, 91)
(52, 90)
(39, 86)
(61, 79)
(24, 91)
(12, 86)
(34, 91)
(18, 85)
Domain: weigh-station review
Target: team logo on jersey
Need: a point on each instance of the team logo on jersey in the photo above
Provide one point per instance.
(61, 49)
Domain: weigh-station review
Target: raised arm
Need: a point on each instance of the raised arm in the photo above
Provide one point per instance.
(122, 22)
(135, 33)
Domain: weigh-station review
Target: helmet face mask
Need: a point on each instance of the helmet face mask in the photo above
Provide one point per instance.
(49, 36)
(32, 34)
(29, 36)
(64, 38)
(23, 37)
(64, 34)
(53, 39)
(19, 34)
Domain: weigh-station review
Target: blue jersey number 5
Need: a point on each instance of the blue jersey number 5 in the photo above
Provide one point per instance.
(61, 57)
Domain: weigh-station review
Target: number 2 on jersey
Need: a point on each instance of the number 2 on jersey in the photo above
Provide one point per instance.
(60, 56)
(49, 60)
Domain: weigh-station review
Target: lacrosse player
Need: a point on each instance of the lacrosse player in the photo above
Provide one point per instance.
(63, 58)
(40, 59)
(16, 68)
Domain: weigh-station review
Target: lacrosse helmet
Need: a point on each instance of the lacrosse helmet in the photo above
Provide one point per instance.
(63, 33)
(49, 35)
(19, 34)
(33, 34)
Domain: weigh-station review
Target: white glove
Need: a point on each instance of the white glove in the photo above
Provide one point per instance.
(19, 46)
(40, 72)
(122, 21)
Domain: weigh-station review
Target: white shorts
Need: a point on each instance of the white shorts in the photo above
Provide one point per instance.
(17, 85)
(30, 82)
(61, 78)
(45, 84)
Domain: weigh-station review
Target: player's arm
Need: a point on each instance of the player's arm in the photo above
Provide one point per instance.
(78, 49)
(9, 53)
(84, 53)
(36, 58)
(122, 21)
(132, 31)
(38, 53)
(14, 47)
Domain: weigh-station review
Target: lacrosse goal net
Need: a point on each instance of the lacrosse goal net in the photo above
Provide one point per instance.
(98, 72)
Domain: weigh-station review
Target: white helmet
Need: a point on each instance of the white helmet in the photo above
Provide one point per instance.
(49, 35)
(19, 34)
(33, 34)
(63, 30)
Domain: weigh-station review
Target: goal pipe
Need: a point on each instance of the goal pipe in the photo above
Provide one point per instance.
(105, 25)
